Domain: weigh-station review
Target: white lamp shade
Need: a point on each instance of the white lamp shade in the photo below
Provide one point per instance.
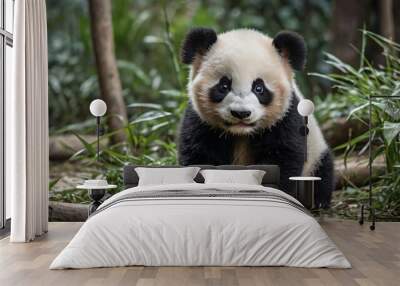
(98, 107)
(305, 107)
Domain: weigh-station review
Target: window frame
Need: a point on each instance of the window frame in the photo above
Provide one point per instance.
(6, 39)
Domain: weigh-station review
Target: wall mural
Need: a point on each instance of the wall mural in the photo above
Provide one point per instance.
(185, 84)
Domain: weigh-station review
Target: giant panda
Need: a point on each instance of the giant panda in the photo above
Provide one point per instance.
(242, 106)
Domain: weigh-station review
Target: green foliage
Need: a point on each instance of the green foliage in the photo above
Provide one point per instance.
(143, 146)
(352, 91)
(151, 128)
(71, 196)
(147, 38)
(72, 76)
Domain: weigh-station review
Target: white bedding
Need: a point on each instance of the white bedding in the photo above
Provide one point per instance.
(200, 231)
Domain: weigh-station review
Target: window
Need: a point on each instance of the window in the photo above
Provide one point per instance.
(6, 64)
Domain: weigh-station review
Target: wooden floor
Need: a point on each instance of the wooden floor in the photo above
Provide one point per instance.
(375, 257)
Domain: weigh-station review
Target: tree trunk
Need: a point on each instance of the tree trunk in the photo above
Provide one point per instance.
(337, 131)
(386, 21)
(107, 71)
(357, 171)
(59, 211)
(396, 18)
(347, 19)
(62, 147)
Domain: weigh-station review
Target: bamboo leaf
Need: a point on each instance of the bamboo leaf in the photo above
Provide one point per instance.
(359, 108)
(390, 131)
(88, 146)
(90, 123)
(355, 140)
(171, 93)
(150, 116)
(159, 126)
(53, 182)
(145, 105)
(154, 40)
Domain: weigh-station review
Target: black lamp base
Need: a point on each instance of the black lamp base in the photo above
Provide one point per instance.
(305, 191)
(362, 217)
(96, 195)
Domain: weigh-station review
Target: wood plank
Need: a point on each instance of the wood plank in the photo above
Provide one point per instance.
(375, 257)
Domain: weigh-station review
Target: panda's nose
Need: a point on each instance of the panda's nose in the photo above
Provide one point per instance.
(240, 114)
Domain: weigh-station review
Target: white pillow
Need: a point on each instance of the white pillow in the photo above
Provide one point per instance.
(166, 176)
(248, 177)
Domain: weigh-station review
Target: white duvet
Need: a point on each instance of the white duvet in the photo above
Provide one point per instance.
(200, 231)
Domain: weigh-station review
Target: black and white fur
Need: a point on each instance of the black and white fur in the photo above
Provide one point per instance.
(243, 106)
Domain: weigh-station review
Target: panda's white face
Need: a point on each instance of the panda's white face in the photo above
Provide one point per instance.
(242, 110)
(242, 84)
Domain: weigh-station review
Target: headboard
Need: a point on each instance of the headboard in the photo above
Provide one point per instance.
(271, 177)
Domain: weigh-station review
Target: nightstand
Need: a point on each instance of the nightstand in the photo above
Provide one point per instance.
(96, 193)
(305, 189)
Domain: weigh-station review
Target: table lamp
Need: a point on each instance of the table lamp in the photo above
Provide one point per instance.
(305, 109)
(98, 108)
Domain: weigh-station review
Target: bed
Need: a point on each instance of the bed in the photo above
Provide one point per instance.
(198, 224)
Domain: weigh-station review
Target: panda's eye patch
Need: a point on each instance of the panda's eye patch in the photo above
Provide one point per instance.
(261, 91)
(224, 84)
(259, 88)
(221, 89)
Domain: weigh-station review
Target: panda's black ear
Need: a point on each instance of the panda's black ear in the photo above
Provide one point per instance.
(197, 41)
(291, 46)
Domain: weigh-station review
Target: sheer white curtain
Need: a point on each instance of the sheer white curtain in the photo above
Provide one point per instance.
(27, 124)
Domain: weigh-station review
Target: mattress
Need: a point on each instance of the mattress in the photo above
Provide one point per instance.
(201, 225)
